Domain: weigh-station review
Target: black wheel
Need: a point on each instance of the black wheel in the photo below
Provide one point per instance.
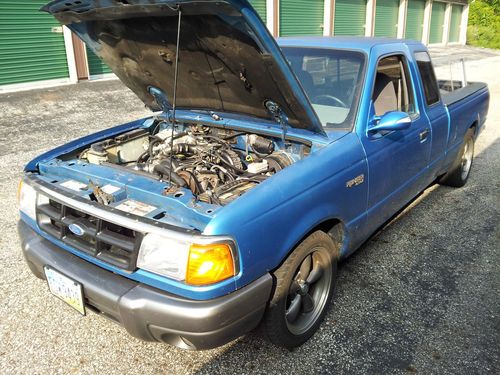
(304, 288)
(459, 172)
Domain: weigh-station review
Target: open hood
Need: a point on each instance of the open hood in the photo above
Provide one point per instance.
(228, 61)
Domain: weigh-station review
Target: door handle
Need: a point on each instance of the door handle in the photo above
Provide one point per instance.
(423, 135)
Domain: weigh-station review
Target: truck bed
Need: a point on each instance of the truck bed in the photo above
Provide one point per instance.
(467, 106)
(453, 92)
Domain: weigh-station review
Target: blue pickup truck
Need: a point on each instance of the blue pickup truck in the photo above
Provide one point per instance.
(264, 163)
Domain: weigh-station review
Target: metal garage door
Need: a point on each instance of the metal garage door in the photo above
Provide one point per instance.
(96, 65)
(350, 17)
(415, 19)
(31, 43)
(260, 7)
(301, 17)
(437, 22)
(456, 20)
(386, 18)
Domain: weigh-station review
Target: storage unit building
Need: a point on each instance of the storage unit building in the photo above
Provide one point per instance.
(455, 23)
(350, 17)
(386, 18)
(437, 22)
(32, 44)
(301, 17)
(96, 66)
(415, 13)
(35, 49)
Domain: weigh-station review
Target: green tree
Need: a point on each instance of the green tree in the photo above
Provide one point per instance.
(484, 23)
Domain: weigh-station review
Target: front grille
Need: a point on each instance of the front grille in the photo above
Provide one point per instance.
(101, 239)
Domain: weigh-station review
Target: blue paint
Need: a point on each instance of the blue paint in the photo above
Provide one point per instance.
(271, 219)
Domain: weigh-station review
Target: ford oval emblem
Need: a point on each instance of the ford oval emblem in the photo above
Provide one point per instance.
(76, 229)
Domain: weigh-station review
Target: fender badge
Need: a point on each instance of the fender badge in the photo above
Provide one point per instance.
(355, 181)
(76, 229)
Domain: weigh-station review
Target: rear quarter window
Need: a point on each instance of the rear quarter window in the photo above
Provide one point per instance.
(428, 77)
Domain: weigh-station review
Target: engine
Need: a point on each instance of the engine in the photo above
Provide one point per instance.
(217, 165)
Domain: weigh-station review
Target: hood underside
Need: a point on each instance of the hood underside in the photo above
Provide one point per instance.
(228, 61)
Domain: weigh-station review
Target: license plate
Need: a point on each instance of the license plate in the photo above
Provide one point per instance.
(66, 289)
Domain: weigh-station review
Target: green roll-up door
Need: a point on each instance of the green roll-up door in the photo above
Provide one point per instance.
(386, 18)
(260, 7)
(301, 17)
(31, 43)
(456, 20)
(437, 22)
(415, 19)
(350, 17)
(96, 65)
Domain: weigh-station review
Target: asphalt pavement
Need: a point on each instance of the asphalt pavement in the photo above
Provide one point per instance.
(422, 296)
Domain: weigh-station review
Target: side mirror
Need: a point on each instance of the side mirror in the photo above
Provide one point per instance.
(391, 121)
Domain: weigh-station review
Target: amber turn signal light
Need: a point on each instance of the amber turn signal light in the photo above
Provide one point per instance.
(208, 264)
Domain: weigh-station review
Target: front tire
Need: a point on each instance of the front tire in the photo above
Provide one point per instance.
(459, 172)
(304, 288)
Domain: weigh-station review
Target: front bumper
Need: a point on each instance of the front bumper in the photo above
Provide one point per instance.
(149, 313)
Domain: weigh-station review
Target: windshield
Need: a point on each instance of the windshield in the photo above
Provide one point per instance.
(332, 80)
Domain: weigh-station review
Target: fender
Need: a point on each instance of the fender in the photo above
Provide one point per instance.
(268, 221)
(32, 166)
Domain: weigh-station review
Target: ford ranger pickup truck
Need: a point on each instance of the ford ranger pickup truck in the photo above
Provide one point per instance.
(263, 164)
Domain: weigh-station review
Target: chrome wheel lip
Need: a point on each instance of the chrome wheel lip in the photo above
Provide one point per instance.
(466, 161)
(318, 291)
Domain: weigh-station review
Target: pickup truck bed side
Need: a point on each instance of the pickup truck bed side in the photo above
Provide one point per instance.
(467, 107)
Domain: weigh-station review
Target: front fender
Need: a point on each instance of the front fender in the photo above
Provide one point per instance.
(82, 142)
(270, 220)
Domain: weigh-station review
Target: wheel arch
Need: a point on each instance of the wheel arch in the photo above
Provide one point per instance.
(474, 127)
(334, 227)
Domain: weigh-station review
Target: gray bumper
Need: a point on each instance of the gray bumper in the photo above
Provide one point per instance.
(148, 313)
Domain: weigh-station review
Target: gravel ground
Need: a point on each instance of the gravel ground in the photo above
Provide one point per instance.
(421, 297)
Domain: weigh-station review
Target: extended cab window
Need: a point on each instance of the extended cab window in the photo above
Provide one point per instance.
(393, 90)
(431, 89)
(332, 80)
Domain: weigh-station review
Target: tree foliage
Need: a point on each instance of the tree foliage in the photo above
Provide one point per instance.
(484, 23)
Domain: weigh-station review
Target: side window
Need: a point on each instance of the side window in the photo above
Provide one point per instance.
(429, 82)
(393, 90)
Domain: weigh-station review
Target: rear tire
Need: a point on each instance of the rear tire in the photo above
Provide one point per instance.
(459, 172)
(304, 288)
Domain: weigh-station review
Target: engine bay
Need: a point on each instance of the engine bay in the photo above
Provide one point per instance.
(216, 165)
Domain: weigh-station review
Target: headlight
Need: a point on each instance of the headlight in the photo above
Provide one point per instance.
(196, 264)
(26, 196)
(164, 256)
